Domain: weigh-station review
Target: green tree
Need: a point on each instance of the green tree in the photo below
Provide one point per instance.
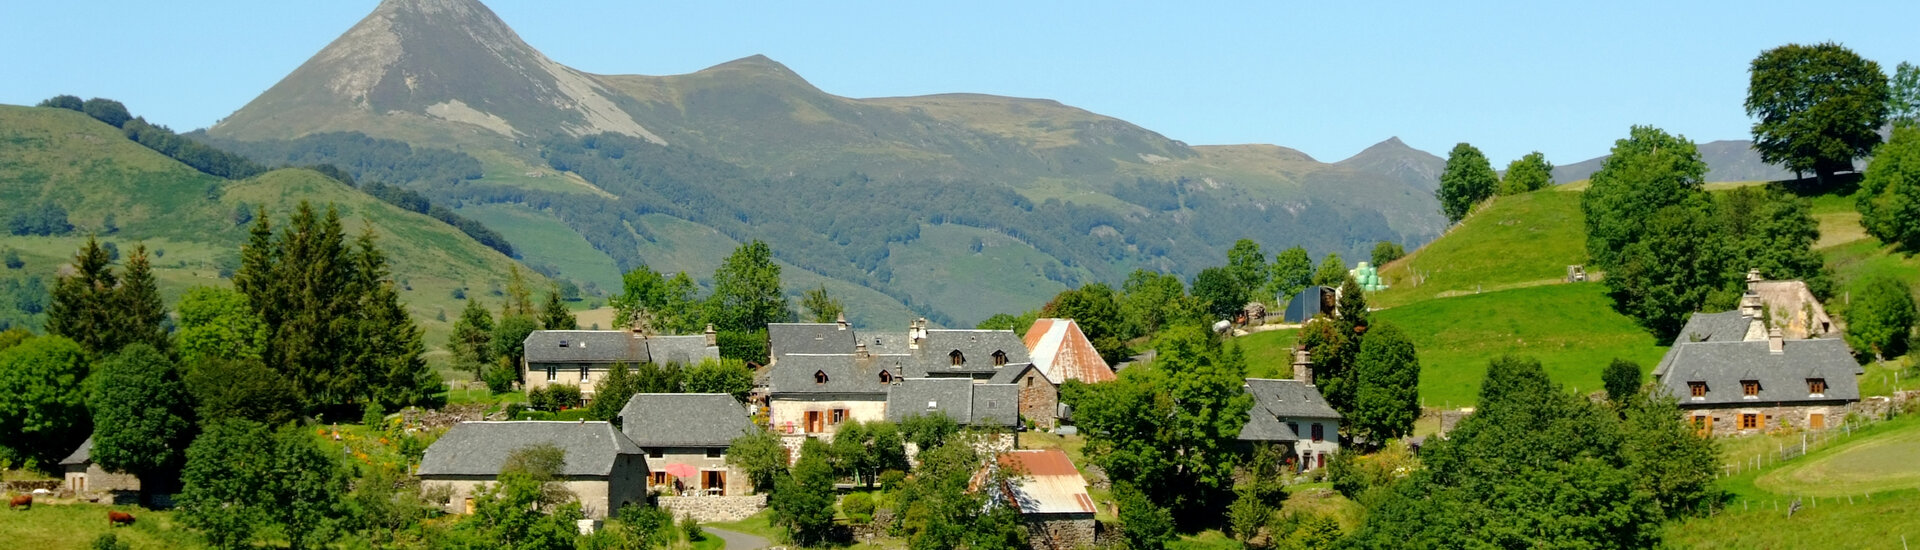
(1903, 99)
(1144, 525)
(1889, 196)
(657, 303)
(554, 314)
(141, 414)
(217, 323)
(527, 508)
(746, 290)
(1467, 180)
(1248, 264)
(472, 339)
(1385, 252)
(106, 110)
(1880, 317)
(13, 259)
(820, 307)
(1819, 107)
(927, 431)
(612, 393)
(388, 346)
(1668, 459)
(43, 407)
(1151, 301)
(729, 376)
(1669, 272)
(1647, 171)
(1528, 173)
(509, 340)
(946, 504)
(1096, 308)
(1292, 272)
(84, 303)
(241, 389)
(1247, 515)
(1387, 393)
(63, 101)
(1332, 270)
(1218, 293)
(850, 453)
(1622, 380)
(802, 501)
(1773, 231)
(242, 476)
(143, 315)
(519, 297)
(761, 456)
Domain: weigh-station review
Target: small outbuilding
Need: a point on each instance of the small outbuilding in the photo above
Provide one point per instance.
(1052, 498)
(83, 476)
(1311, 302)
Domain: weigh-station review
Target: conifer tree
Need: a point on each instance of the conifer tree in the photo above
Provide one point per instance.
(554, 314)
(82, 308)
(142, 314)
(472, 338)
(519, 297)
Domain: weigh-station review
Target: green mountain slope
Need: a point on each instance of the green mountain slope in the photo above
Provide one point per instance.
(1516, 241)
(91, 170)
(749, 149)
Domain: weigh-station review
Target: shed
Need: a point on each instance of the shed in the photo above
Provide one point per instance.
(1310, 302)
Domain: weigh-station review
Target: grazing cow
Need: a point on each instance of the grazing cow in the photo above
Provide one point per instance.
(21, 501)
(115, 519)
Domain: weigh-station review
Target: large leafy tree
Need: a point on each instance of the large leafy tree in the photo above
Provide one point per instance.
(1819, 107)
(472, 339)
(1669, 272)
(242, 477)
(1153, 300)
(821, 307)
(1331, 271)
(1650, 227)
(1467, 180)
(746, 290)
(1097, 310)
(1647, 171)
(1292, 272)
(1889, 197)
(1773, 231)
(1334, 347)
(1903, 101)
(217, 323)
(728, 376)
(802, 500)
(1248, 264)
(1385, 252)
(142, 415)
(761, 456)
(653, 302)
(1387, 396)
(241, 388)
(528, 507)
(946, 504)
(1219, 292)
(1528, 173)
(1621, 379)
(43, 408)
(1880, 316)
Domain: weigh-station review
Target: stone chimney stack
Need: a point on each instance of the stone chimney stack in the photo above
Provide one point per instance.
(713, 338)
(1753, 276)
(1776, 342)
(917, 333)
(1750, 304)
(1303, 366)
(841, 320)
(860, 350)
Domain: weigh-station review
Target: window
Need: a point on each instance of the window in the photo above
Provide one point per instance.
(1749, 421)
(1816, 421)
(716, 452)
(656, 453)
(1750, 388)
(469, 505)
(999, 358)
(839, 415)
(1817, 386)
(659, 478)
(813, 421)
(553, 373)
(1319, 431)
(563, 343)
(957, 358)
(1698, 389)
(819, 377)
(714, 482)
(583, 373)
(886, 377)
(1029, 381)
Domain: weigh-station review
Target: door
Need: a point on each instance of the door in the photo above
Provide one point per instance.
(714, 482)
(813, 421)
(1817, 421)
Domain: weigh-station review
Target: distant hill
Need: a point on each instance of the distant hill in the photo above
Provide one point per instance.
(188, 219)
(846, 189)
(1727, 160)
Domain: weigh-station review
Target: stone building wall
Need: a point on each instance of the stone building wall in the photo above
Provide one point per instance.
(1039, 400)
(715, 509)
(1062, 534)
(1725, 421)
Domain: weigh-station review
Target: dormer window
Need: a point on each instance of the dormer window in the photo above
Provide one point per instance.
(999, 358)
(957, 358)
(819, 377)
(1817, 387)
(1697, 389)
(1750, 389)
(886, 377)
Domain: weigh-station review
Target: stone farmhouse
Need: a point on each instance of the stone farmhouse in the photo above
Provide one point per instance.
(584, 357)
(1052, 498)
(604, 469)
(1773, 363)
(83, 476)
(1293, 415)
(685, 437)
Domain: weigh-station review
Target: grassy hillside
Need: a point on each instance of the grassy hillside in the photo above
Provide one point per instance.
(91, 170)
(1517, 241)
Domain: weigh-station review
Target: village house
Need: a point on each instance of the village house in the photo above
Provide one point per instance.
(83, 476)
(604, 469)
(584, 357)
(1293, 415)
(990, 409)
(685, 437)
(1773, 363)
(1052, 498)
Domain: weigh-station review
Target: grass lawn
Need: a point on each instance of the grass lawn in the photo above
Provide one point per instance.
(1517, 241)
(1269, 354)
(1882, 460)
(74, 526)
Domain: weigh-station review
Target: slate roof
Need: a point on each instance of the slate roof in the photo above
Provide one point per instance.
(1011, 374)
(961, 399)
(846, 374)
(808, 338)
(1726, 326)
(1782, 377)
(615, 346)
(1063, 353)
(1275, 401)
(481, 448)
(82, 455)
(684, 419)
(975, 346)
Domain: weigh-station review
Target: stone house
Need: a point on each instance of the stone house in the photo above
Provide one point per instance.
(604, 469)
(1727, 385)
(83, 476)
(811, 395)
(1063, 352)
(1052, 498)
(685, 436)
(822, 374)
(1292, 414)
(584, 357)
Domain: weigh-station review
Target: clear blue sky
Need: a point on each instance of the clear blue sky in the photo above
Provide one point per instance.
(1328, 78)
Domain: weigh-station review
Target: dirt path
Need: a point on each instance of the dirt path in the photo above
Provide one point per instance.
(738, 541)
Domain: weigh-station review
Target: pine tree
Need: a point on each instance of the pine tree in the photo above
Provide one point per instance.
(611, 394)
(519, 298)
(554, 314)
(472, 338)
(142, 314)
(82, 307)
(394, 373)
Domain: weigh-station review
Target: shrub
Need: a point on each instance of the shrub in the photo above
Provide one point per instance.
(372, 415)
(691, 528)
(890, 479)
(554, 397)
(109, 541)
(858, 507)
(499, 379)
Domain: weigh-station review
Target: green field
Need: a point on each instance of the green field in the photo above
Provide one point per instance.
(74, 526)
(941, 267)
(1269, 354)
(541, 238)
(1517, 241)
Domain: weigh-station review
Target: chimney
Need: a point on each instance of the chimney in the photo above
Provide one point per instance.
(1776, 342)
(713, 338)
(1753, 276)
(1750, 304)
(917, 334)
(860, 350)
(841, 320)
(1303, 366)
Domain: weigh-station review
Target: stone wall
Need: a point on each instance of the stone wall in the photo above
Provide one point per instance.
(1727, 420)
(715, 509)
(1039, 400)
(1062, 534)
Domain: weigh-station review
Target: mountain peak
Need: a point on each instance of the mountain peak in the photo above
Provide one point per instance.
(453, 60)
(1395, 158)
